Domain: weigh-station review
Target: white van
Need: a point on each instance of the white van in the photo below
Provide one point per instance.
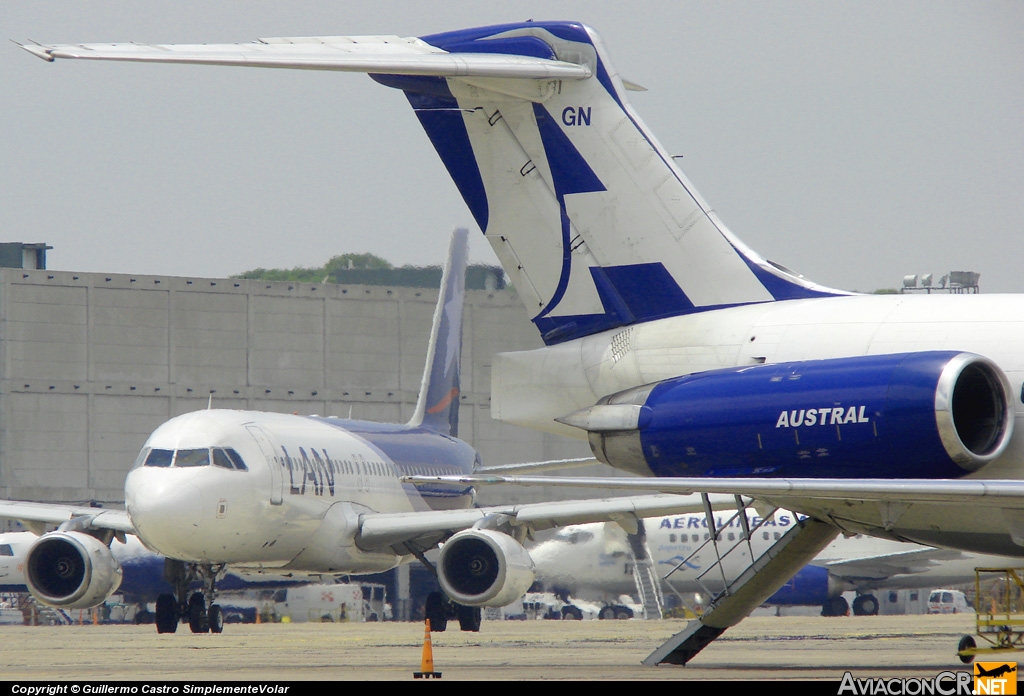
(947, 602)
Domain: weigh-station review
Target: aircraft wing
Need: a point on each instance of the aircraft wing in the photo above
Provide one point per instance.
(391, 55)
(887, 565)
(384, 529)
(1002, 493)
(536, 467)
(871, 506)
(36, 516)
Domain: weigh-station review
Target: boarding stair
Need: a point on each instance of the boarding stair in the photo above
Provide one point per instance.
(648, 586)
(746, 589)
(38, 614)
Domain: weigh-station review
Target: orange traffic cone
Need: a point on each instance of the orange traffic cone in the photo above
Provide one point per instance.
(427, 663)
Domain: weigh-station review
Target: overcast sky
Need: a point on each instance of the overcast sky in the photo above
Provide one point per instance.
(853, 142)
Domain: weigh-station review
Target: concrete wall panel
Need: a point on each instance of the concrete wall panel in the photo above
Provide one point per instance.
(46, 445)
(128, 334)
(287, 341)
(209, 337)
(46, 331)
(93, 363)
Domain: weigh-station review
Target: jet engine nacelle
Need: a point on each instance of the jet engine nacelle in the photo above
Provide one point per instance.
(484, 568)
(812, 585)
(71, 570)
(935, 414)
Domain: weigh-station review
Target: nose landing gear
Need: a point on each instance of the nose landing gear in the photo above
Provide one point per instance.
(199, 610)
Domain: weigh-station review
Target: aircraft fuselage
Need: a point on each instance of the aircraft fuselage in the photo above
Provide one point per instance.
(296, 505)
(557, 380)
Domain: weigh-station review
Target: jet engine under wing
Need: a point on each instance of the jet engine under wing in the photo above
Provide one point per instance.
(385, 529)
(35, 516)
(393, 55)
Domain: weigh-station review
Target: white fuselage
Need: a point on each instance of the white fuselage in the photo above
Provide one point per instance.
(573, 375)
(594, 562)
(296, 505)
(532, 388)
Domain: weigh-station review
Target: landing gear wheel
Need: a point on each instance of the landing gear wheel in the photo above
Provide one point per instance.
(216, 619)
(198, 621)
(571, 613)
(966, 643)
(606, 613)
(623, 613)
(434, 610)
(469, 618)
(166, 614)
(865, 605)
(835, 606)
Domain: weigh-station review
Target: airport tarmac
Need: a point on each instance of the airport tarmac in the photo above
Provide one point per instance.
(759, 648)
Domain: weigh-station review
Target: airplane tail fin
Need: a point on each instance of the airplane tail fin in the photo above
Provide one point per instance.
(437, 408)
(589, 215)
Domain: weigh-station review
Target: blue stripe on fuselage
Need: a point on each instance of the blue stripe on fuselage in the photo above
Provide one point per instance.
(413, 451)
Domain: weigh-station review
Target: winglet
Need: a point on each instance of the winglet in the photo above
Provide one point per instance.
(37, 50)
(438, 405)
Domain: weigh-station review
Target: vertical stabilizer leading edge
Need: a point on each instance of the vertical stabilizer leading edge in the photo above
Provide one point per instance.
(437, 407)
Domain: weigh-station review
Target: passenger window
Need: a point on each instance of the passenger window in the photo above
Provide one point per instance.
(159, 457)
(194, 457)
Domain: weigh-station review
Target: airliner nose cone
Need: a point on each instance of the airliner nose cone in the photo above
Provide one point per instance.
(166, 514)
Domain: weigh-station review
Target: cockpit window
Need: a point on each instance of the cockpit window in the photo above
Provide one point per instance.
(236, 458)
(228, 459)
(225, 458)
(220, 458)
(160, 457)
(192, 457)
(6, 550)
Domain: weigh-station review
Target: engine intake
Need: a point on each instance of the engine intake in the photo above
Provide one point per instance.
(71, 570)
(484, 568)
(934, 414)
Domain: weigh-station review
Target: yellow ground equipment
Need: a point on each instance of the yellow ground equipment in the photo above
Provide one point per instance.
(999, 610)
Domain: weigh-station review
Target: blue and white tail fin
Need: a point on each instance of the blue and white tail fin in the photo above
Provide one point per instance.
(587, 212)
(590, 217)
(437, 407)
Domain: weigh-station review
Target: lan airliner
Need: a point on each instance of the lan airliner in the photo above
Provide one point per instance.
(283, 493)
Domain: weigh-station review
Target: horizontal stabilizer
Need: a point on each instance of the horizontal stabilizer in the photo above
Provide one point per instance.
(369, 54)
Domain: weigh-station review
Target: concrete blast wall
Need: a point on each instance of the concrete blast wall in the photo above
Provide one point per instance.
(92, 363)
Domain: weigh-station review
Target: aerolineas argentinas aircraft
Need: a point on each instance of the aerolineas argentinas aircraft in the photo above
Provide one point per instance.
(675, 349)
(598, 563)
(293, 494)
